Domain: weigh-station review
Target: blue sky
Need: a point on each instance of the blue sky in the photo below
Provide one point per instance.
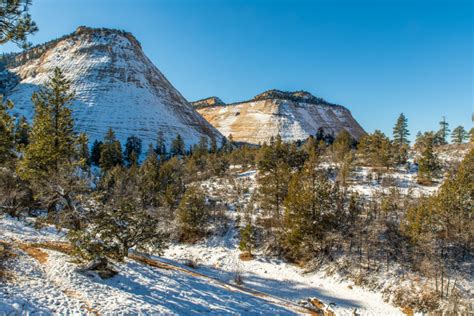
(378, 58)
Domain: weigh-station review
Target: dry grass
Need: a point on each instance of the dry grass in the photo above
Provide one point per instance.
(246, 256)
(63, 247)
(36, 253)
(149, 262)
(6, 253)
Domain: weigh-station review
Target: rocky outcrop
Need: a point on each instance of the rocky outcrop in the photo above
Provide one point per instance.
(292, 115)
(211, 101)
(116, 86)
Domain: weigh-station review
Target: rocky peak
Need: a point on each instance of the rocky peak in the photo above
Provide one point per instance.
(211, 101)
(297, 96)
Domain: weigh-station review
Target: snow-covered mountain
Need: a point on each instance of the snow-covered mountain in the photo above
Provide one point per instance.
(116, 86)
(293, 115)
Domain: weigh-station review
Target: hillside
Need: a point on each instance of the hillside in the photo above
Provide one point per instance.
(292, 115)
(116, 86)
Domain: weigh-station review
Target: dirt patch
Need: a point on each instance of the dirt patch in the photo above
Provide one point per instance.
(6, 253)
(63, 247)
(38, 254)
(245, 256)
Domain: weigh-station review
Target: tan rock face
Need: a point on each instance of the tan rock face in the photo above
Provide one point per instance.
(293, 118)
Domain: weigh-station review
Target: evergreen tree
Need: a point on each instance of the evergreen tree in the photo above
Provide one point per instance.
(193, 214)
(459, 135)
(400, 131)
(160, 144)
(376, 149)
(178, 147)
(22, 130)
(213, 148)
(7, 144)
(443, 132)
(471, 135)
(52, 140)
(312, 209)
(149, 179)
(247, 234)
(83, 149)
(52, 157)
(428, 162)
(15, 22)
(342, 145)
(111, 152)
(95, 152)
(133, 150)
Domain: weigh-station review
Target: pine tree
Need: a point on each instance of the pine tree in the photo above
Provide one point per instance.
(133, 150)
(443, 132)
(52, 140)
(312, 208)
(377, 149)
(111, 152)
(193, 214)
(22, 130)
(160, 148)
(459, 135)
(178, 147)
(342, 145)
(52, 157)
(16, 23)
(428, 162)
(400, 131)
(149, 179)
(83, 149)
(471, 135)
(95, 152)
(7, 144)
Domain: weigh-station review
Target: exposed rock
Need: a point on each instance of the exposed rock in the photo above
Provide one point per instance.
(292, 115)
(211, 101)
(116, 86)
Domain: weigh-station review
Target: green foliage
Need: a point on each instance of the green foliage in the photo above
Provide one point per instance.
(15, 22)
(132, 151)
(111, 152)
(447, 215)
(428, 164)
(312, 209)
(342, 145)
(193, 214)
(7, 144)
(443, 132)
(177, 146)
(22, 131)
(95, 152)
(459, 135)
(113, 228)
(400, 131)
(52, 140)
(376, 149)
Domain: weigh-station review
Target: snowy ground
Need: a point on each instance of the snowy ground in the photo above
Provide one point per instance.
(51, 283)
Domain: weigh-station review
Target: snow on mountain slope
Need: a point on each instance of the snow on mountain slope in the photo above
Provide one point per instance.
(116, 86)
(294, 116)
